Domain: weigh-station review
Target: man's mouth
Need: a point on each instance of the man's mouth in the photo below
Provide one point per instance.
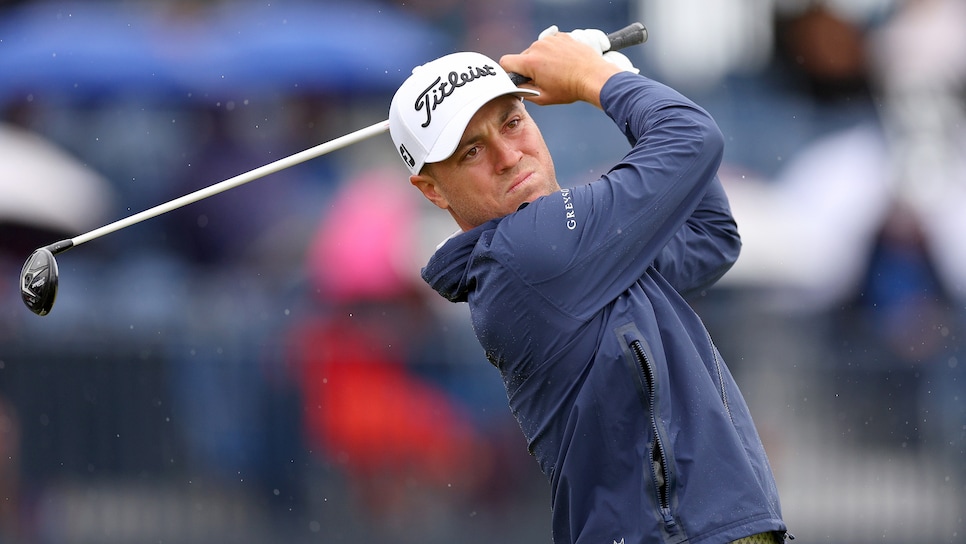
(519, 181)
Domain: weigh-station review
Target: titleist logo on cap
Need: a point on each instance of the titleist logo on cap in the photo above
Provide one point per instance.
(438, 91)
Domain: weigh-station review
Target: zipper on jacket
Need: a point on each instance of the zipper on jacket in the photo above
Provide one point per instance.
(659, 467)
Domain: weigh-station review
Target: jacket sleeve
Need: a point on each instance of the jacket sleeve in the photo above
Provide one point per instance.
(660, 206)
(707, 244)
(706, 247)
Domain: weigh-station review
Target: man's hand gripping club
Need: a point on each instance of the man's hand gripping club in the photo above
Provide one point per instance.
(567, 67)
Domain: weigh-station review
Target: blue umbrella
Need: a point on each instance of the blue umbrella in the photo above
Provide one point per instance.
(81, 50)
(354, 47)
(93, 50)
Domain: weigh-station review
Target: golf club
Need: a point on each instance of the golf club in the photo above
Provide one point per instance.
(39, 276)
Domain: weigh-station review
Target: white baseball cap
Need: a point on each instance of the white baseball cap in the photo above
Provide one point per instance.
(430, 111)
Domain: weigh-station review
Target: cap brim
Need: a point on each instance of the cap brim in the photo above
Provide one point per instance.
(449, 138)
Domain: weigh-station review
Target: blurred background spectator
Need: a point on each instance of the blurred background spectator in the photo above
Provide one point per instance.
(266, 365)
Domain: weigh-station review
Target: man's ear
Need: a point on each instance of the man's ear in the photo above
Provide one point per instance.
(427, 185)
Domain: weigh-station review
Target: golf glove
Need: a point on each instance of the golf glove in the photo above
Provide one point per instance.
(597, 40)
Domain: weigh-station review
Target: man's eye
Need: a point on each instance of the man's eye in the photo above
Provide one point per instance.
(513, 123)
(471, 152)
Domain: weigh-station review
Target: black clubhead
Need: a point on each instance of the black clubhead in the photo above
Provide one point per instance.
(38, 281)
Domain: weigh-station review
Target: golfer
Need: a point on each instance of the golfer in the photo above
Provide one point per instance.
(577, 294)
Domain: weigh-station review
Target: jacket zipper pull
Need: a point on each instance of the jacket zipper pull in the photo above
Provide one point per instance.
(669, 520)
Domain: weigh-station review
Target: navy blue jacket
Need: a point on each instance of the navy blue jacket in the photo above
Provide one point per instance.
(577, 298)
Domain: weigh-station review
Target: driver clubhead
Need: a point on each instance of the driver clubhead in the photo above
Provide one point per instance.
(38, 281)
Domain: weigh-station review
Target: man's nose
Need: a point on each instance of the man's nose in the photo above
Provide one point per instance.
(507, 154)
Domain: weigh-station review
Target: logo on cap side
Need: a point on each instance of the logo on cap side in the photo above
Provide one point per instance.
(407, 156)
(439, 90)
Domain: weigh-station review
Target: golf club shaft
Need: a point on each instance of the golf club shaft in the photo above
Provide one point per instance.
(632, 34)
(230, 183)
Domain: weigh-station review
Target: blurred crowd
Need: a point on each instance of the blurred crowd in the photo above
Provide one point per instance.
(266, 364)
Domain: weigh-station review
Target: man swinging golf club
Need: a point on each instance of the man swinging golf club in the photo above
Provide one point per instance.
(577, 294)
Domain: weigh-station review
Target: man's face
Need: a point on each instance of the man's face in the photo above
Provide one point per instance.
(500, 163)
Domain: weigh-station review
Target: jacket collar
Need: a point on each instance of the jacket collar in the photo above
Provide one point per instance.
(448, 269)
